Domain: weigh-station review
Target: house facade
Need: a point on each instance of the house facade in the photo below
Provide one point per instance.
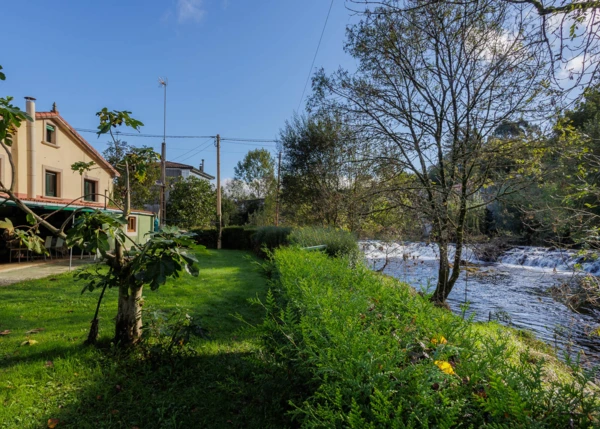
(43, 151)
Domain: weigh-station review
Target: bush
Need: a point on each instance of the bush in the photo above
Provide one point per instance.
(237, 238)
(373, 353)
(270, 237)
(338, 242)
(206, 237)
(232, 237)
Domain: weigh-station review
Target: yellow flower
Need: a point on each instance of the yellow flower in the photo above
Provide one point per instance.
(445, 366)
(439, 340)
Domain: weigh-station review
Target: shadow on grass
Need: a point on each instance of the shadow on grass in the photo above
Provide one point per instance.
(225, 390)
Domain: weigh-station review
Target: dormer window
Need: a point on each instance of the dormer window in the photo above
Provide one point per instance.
(50, 134)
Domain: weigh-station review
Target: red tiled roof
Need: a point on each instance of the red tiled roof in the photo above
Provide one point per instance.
(84, 143)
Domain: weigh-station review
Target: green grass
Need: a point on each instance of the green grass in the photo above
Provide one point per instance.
(89, 387)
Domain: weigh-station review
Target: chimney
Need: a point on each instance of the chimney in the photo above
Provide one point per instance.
(202, 166)
(31, 161)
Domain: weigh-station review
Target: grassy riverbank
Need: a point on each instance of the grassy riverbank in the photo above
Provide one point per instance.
(377, 354)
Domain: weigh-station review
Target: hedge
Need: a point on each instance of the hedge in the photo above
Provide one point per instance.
(270, 237)
(362, 350)
(232, 237)
(338, 242)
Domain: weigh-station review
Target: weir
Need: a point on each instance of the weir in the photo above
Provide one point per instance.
(514, 290)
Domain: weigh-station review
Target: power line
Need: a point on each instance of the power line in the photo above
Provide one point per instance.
(315, 57)
(195, 150)
(229, 139)
(160, 136)
(233, 139)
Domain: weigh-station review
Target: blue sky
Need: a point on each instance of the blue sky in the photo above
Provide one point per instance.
(235, 67)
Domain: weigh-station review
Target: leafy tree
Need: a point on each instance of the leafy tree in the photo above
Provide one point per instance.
(130, 266)
(143, 192)
(192, 203)
(432, 85)
(257, 172)
(573, 174)
(321, 183)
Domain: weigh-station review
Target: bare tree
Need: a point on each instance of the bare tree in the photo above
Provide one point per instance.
(432, 85)
(569, 30)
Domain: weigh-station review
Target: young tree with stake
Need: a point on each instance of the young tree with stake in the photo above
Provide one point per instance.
(129, 269)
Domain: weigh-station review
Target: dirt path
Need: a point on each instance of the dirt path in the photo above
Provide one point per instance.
(15, 273)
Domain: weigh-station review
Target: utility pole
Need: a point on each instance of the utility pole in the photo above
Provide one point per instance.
(163, 159)
(278, 184)
(219, 222)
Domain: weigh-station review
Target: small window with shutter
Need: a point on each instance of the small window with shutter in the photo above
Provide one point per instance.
(50, 134)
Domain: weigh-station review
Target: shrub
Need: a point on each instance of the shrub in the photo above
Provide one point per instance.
(206, 237)
(270, 237)
(338, 242)
(232, 237)
(373, 353)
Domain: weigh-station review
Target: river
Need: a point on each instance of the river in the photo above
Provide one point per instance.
(513, 290)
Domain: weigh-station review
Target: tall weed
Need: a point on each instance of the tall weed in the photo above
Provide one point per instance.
(338, 242)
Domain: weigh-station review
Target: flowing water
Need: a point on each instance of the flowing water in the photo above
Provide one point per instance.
(513, 291)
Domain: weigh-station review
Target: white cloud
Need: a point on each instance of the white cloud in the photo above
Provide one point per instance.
(573, 66)
(190, 10)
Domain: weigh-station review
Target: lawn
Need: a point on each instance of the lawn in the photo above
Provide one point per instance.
(210, 385)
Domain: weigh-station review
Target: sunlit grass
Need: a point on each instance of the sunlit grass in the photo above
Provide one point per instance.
(59, 378)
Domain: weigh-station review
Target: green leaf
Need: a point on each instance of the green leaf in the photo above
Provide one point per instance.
(31, 219)
(7, 224)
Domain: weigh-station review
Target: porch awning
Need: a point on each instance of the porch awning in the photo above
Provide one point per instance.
(47, 206)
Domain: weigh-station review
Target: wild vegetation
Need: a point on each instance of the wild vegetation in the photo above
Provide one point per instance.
(369, 352)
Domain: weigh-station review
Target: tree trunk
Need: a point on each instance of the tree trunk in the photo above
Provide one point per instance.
(128, 327)
(443, 288)
(129, 316)
(445, 280)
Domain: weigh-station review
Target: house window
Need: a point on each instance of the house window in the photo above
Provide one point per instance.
(50, 134)
(90, 189)
(52, 180)
(132, 224)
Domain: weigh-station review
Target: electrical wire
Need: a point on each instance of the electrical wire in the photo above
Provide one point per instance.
(160, 136)
(195, 151)
(315, 57)
(229, 139)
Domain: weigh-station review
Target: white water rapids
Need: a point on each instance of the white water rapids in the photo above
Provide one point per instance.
(513, 290)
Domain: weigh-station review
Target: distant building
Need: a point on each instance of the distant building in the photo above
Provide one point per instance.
(175, 169)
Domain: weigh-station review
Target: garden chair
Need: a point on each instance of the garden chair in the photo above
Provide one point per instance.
(60, 247)
(17, 250)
